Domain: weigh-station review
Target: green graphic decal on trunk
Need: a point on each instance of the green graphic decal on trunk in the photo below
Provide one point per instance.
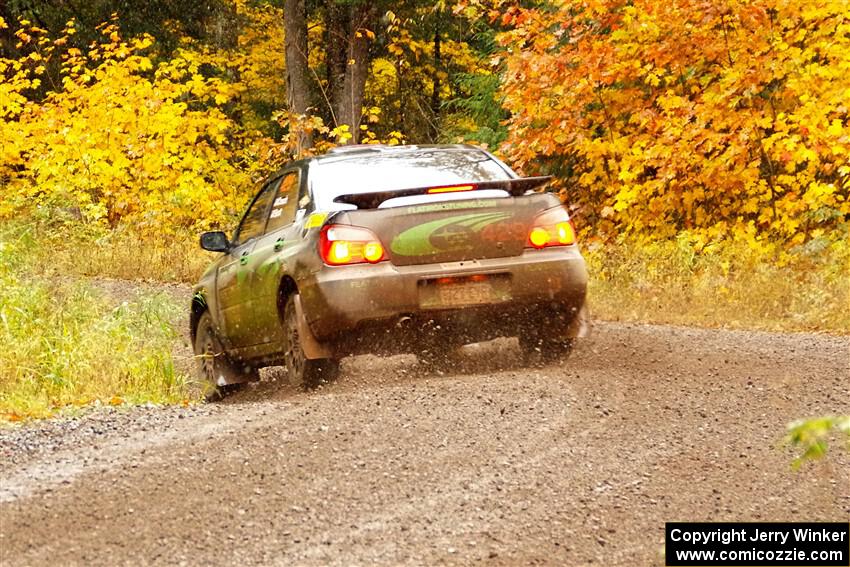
(444, 235)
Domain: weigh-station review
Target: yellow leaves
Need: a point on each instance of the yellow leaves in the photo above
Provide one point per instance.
(625, 197)
(119, 144)
(818, 195)
(751, 205)
(836, 129)
(341, 134)
(363, 32)
(670, 101)
(141, 43)
(652, 79)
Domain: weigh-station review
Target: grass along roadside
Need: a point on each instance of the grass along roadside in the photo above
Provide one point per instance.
(119, 254)
(67, 345)
(728, 284)
(70, 343)
(742, 284)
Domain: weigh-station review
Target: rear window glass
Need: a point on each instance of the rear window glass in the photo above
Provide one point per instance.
(371, 173)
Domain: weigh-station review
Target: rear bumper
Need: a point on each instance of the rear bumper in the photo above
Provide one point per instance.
(363, 301)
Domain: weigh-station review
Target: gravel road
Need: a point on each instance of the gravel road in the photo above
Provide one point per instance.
(576, 463)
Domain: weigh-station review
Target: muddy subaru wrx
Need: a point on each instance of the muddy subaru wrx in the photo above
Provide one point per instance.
(387, 250)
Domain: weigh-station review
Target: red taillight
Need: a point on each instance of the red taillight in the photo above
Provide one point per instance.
(341, 244)
(551, 228)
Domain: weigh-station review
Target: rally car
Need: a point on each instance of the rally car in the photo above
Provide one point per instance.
(378, 249)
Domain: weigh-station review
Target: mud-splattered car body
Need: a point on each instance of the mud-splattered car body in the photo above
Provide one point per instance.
(378, 249)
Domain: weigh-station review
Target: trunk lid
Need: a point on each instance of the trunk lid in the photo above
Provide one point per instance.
(452, 231)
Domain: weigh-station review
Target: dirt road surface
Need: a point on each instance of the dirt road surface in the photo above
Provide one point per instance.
(575, 463)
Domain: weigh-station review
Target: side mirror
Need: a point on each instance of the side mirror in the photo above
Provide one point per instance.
(215, 241)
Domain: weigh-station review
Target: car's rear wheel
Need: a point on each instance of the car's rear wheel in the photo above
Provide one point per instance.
(218, 374)
(541, 350)
(301, 371)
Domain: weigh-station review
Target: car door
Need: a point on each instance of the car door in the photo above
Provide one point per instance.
(272, 251)
(234, 272)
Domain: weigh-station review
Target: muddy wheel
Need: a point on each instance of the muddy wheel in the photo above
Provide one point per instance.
(301, 371)
(217, 373)
(539, 350)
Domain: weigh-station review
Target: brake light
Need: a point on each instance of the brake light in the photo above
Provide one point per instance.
(341, 244)
(450, 189)
(552, 228)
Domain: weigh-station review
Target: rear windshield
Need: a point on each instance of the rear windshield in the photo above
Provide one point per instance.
(371, 173)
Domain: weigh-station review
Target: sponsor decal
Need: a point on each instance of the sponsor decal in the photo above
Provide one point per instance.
(453, 206)
(315, 220)
(444, 235)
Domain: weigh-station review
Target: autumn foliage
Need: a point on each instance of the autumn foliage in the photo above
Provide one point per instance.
(120, 137)
(713, 117)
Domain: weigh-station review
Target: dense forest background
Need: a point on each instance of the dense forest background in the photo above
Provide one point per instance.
(658, 119)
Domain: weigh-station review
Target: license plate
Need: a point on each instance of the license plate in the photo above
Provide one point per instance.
(465, 293)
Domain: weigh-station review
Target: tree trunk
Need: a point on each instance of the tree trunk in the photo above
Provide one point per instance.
(336, 53)
(298, 89)
(357, 67)
(7, 35)
(435, 94)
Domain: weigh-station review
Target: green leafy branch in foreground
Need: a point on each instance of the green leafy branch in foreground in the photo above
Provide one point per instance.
(812, 436)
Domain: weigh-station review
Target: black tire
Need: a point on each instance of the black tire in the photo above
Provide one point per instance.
(301, 371)
(218, 375)
(544, 350)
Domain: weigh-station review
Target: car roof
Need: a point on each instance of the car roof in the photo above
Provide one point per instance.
(342, 153)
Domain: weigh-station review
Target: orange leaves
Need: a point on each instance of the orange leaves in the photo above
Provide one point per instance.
(739, 111)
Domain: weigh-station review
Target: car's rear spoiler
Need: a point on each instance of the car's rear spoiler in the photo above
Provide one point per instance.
(515, 187)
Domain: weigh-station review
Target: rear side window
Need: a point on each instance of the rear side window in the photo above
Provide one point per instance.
(285, 203)
(404, 170)
(254, 222)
